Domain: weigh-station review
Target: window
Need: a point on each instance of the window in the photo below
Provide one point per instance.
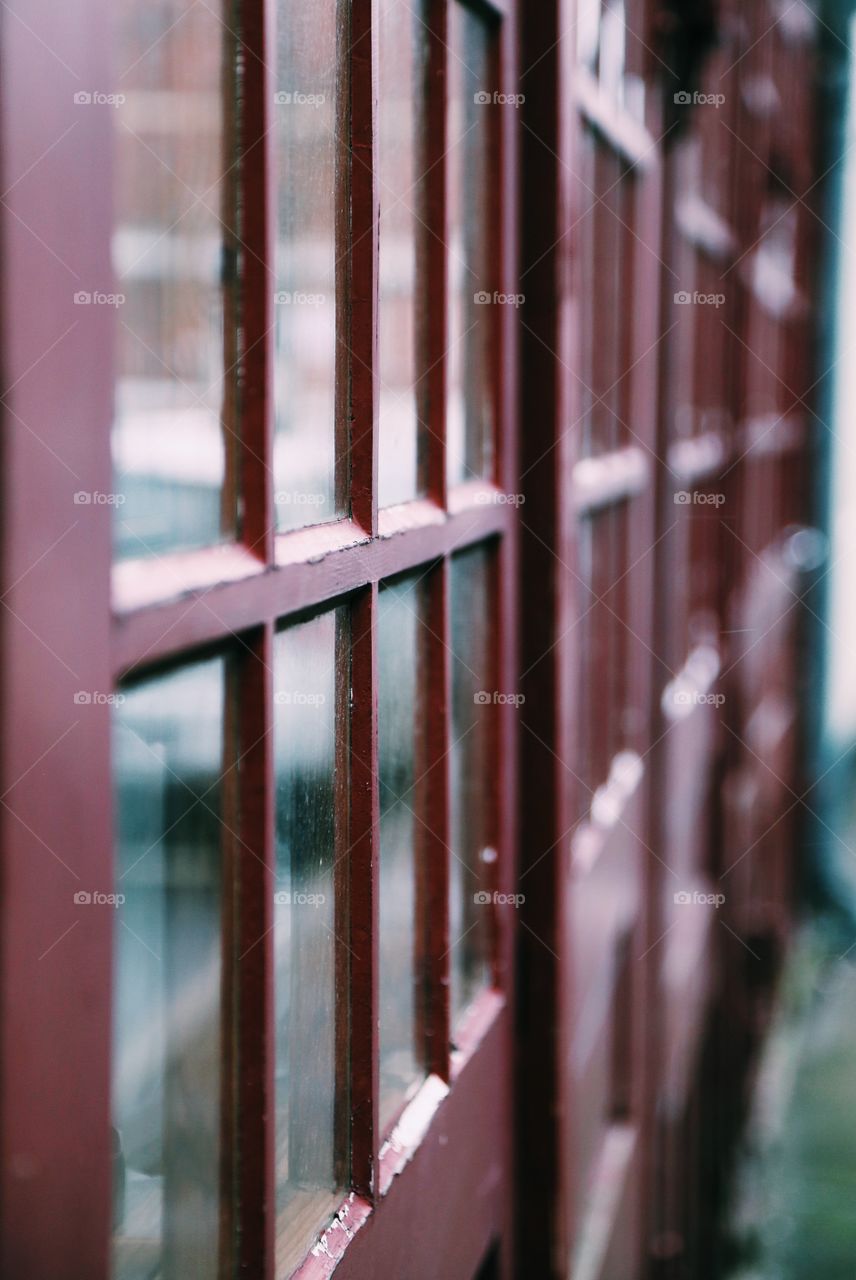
(345, 654)
(308, 623)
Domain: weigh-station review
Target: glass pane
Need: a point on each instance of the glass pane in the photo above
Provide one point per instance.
(471, 196)
(168, 1021)
(174, 262)
(473, 698)
(588, 31)
(400, 724)
(401, 52)
(306, 147)
(310, 927)
(607, 196)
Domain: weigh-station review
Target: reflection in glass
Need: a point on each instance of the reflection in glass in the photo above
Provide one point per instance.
(306, 148)
(401, 49)
(174, 267)
(167, 1016)
(470, 409)
(400, 719)
(310, 929)
(471, 880)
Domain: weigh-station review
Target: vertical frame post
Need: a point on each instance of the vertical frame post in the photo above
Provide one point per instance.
(364, 876)
(360, 367)
(256, 149)
(55, 779)
(255, 961)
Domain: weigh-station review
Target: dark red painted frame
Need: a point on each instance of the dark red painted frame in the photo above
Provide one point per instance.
(55, 1011)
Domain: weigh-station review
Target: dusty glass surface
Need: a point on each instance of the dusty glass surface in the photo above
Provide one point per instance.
(310, 927)
(473, 703)
(306, 145)
(167, 1005)
(175, 262)
(473, 300)
(400, 728)
(401, 39)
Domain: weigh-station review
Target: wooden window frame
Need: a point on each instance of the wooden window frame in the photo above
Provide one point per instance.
(560, 1199)
(126, 621)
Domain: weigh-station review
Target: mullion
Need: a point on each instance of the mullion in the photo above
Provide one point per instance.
(231, 506)
(358, 369)
(363, 861)
(342, 894)
(230, 996)
(257, 231)
(494, 233)
(254, 960)
(495, 832)
(433, 326)
(506, 675)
